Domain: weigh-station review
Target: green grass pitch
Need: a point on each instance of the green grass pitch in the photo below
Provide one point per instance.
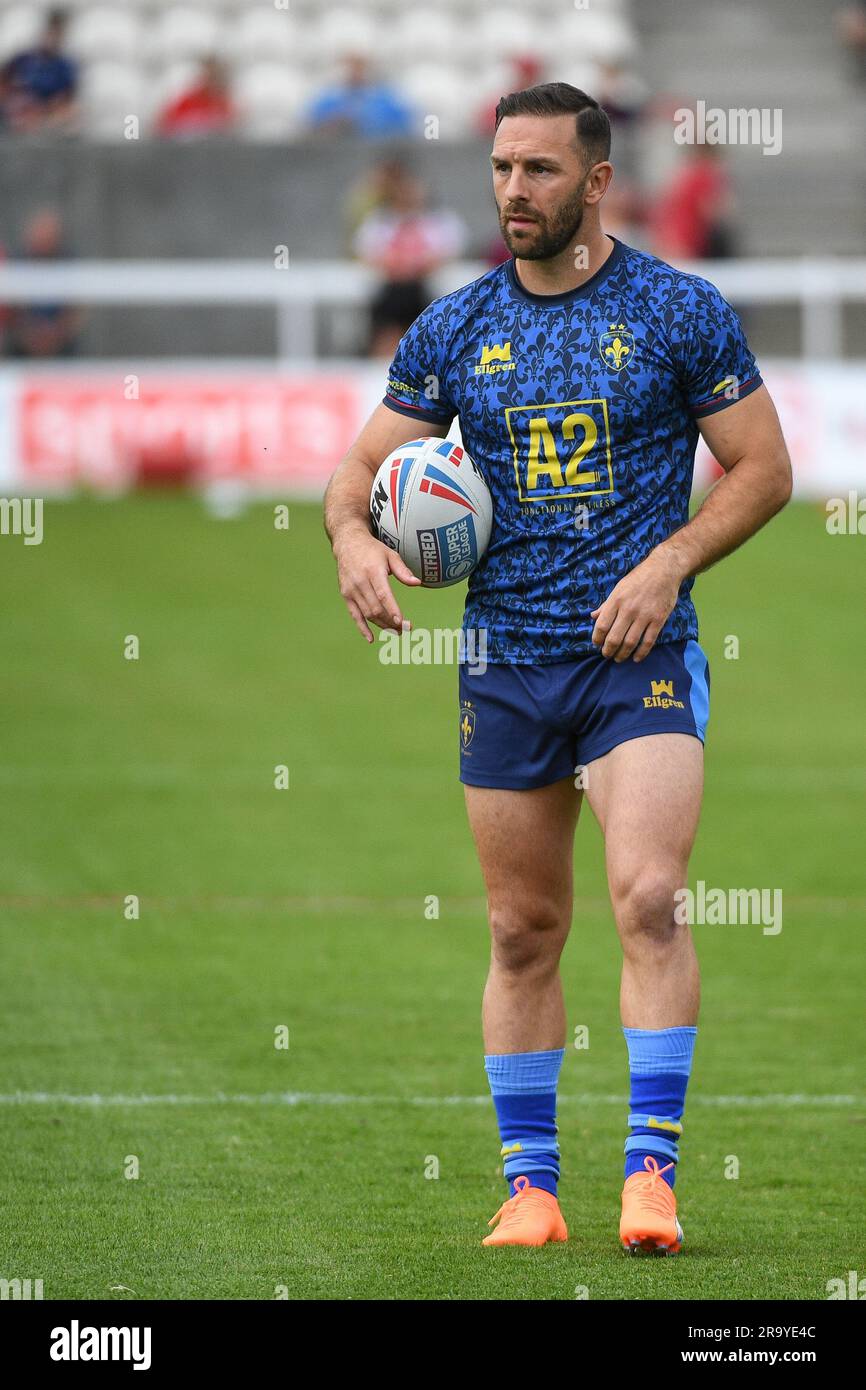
(304, 908)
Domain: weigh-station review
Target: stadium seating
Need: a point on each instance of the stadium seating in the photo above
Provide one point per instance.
(106, 32)
(271, 98)
(187, 31)
(19, 25)
(277, 57)
(251, 35)
(111, 91)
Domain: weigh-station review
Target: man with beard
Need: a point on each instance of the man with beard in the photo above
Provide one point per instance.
(582, 372)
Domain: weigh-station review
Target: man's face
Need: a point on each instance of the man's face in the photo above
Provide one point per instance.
(539, 177)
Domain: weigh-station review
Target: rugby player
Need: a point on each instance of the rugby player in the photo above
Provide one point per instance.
(582, 372)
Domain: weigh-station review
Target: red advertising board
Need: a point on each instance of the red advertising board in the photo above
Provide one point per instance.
(110, 430)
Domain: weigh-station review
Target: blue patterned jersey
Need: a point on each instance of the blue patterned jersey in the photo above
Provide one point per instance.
(580, 410)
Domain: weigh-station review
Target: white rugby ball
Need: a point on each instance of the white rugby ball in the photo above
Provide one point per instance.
(430, 503)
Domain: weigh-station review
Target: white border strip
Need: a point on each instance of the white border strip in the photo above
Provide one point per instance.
(289, 1098)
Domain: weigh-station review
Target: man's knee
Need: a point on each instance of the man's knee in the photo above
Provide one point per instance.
(644, 904)
(528, 936)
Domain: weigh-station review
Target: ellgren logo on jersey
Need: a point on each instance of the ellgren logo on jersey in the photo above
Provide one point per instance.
(495, 357)
(561, 449)
(616, 347)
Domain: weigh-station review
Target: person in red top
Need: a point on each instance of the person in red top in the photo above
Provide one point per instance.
(525, 72)
(404, 240)
(204, 109)
(691, 219)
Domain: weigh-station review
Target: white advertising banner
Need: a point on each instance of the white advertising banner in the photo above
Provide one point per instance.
(106, 427)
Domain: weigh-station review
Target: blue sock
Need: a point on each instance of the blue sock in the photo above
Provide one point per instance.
(660, 1061)
(523, 1086)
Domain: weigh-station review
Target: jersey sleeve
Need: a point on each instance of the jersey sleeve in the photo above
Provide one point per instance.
(718, 368)
(415, 378)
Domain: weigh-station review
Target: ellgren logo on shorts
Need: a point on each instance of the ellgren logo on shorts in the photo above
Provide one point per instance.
(448, 552)
(467, 722)
(662, 696)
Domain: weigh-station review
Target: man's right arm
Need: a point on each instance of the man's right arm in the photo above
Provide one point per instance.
(364, 564)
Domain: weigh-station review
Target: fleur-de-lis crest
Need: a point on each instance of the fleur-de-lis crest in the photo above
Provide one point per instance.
(616, 346)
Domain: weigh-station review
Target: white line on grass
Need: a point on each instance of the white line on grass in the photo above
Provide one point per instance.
(344, 905)
(95, 1100)
(814, 778)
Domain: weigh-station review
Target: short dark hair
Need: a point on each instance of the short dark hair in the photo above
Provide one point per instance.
(561, 99)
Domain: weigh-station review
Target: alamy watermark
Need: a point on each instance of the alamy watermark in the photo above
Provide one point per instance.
(77, 1343)
(712, 125)
(846, 516)
(852, 1287)
(22, 516)
(20, 1289)
(721, 907)
(438, 646)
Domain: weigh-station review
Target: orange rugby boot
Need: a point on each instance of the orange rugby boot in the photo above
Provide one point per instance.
(530, 1217)
(649, 1212)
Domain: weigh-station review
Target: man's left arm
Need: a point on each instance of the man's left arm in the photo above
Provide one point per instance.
(746, 440)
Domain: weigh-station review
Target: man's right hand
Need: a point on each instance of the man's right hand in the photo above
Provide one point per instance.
(364, 565)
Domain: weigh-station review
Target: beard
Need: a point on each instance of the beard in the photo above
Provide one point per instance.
(550, 235)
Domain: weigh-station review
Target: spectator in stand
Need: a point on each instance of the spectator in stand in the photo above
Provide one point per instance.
(691, 219)
(367, 194)
(205, 108)
(359, 105)
(851, 28)
(404, 241)
(525, 72)
(620, 92)
(38, 87)
(43, 330)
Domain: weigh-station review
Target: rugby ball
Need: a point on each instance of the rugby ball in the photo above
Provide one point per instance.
(430, 503)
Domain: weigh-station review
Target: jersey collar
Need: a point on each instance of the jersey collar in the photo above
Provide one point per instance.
(568, 296)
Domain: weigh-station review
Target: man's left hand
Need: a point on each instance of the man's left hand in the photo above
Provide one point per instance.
(637, 608)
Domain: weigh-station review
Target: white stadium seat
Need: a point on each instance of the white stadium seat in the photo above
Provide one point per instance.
(538, 11)
(492, 80)
(185, 32)
(262, 34)
(602, 36)
(441, 92)
(343, 31)
(372, 10)
(111, 91)
(105, 32)
(579, 69)
(420, 34)
(19, 26)
(509, 33)
(271, 99)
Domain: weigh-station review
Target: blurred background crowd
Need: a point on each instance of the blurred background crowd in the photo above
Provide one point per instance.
(144, 129)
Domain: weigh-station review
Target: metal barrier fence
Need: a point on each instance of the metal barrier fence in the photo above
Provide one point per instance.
(820, 287)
